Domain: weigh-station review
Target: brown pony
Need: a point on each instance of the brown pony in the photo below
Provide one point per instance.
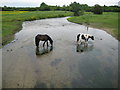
(44, 38)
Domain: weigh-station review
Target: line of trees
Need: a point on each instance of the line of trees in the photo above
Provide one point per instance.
(74, 7)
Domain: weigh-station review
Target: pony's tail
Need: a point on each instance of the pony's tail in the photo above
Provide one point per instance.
(36, 41)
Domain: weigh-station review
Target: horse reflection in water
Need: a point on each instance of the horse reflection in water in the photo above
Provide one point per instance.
(43, 50)
(81, 48)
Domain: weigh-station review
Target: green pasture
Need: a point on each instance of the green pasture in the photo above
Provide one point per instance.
(12, 21)
(108, 21)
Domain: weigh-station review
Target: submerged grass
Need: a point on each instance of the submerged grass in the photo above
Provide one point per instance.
(108, 22)
(12, 20)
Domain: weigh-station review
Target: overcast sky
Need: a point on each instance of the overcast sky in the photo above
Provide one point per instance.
(36, 3)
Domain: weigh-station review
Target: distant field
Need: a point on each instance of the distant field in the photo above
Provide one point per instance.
(108, 22)
(12, 21)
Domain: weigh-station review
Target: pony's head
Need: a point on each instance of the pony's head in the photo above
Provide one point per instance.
(91, 36)
(51, 41)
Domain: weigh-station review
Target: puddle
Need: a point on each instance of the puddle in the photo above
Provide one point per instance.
(94, 66)
(40, 85)
(56, 62)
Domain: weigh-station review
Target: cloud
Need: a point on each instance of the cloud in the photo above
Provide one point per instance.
(36, 3)
(20, 4)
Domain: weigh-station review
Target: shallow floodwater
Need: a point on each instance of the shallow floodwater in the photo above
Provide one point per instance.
(66, 64)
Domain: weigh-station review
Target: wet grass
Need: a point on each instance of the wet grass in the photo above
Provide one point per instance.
(12, 21)
(108, 22)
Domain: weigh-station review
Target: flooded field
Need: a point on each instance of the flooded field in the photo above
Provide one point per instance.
(66, 64)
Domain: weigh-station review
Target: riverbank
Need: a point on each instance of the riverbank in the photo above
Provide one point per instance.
(108, 22)
(12, 21)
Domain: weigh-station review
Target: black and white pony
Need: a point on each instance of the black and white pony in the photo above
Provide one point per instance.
(83, 38)
(44, 38)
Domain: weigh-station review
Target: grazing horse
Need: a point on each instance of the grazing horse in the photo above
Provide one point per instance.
(83, 38)
(44, 38)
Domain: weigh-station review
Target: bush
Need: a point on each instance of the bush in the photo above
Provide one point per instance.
(75, 7)
(44, 7)
(97, 9)
(76, 14)
(82, 12)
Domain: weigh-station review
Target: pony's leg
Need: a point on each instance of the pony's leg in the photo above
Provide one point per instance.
(44, 43)
(78, 37)
(81, 42)
(77, 48)
(51, 48)
(37, 50)
(47, 44)
(77, 40)
(37, 42)
(86, 44)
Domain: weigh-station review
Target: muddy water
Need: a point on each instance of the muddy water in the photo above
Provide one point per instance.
(66, 64)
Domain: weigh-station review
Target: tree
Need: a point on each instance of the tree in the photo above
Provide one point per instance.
(4, 8)
(97, 9)
(75, 7)
(44, 7)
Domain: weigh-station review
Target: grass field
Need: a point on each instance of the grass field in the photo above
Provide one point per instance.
(108, 22)
(12, 21)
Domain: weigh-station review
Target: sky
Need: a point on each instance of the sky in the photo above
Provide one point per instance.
(36, 3)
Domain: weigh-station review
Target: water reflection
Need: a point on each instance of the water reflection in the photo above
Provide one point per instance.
(43, 50)
(82, 48)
